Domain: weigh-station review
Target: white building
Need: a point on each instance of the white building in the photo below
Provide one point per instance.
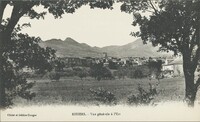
(176, 66)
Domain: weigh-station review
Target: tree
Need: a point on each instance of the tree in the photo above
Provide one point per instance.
(82, 73)
(22, 52)
(96, 71)
(59, 65)
(27, 8)
(106, 74)
(174, 25)
(121, 73)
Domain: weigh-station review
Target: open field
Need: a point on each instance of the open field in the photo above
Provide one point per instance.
(76, 91)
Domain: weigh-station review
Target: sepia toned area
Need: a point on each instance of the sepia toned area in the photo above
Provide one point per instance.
(160, 64)
(164, 112)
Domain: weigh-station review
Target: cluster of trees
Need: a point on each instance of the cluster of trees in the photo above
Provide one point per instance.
(55, 75)
(100, 72)
(152, 68)
(97, 71)
(173, 25)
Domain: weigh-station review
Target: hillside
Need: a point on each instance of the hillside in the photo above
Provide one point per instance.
(70, 47)
(135, 49)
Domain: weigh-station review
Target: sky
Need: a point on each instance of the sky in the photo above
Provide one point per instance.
(96, 27)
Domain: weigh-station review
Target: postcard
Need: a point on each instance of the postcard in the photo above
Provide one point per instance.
(99, 60)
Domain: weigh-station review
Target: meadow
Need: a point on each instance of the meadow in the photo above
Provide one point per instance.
(76, 91)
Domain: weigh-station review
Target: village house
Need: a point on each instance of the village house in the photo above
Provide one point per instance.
(175, 67)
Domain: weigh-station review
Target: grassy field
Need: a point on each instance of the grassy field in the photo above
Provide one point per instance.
(76, 91)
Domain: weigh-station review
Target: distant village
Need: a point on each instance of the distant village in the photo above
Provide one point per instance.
(171, 66)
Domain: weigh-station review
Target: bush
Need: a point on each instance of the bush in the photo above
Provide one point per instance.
(82, 74)
(103, 96)
(98, 78)
(120, 73)
(143, 97)
(69, 72)
(54, 76)
(106, 74)
(137, 73)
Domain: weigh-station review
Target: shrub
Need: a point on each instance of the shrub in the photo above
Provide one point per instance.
(143, 97)
(106, 74)
(68, 72)
(120, 73)
(98, 78)
(54, 76)
(137, 73)
(82, 74)
(103, 96)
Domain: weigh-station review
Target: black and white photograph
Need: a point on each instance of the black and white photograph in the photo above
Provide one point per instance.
(99, 60)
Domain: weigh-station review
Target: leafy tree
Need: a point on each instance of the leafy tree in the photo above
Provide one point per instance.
(22, 52)
(59, 65)
(81, 72)
(27, 8)
(96, 71)
(174, 25)
(106, 74)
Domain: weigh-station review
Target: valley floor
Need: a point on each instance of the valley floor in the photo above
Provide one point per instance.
(73, 91)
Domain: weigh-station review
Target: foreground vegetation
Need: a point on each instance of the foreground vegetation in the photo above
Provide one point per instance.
(73, 90)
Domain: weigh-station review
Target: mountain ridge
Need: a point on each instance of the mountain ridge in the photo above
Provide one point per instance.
(71, 48)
